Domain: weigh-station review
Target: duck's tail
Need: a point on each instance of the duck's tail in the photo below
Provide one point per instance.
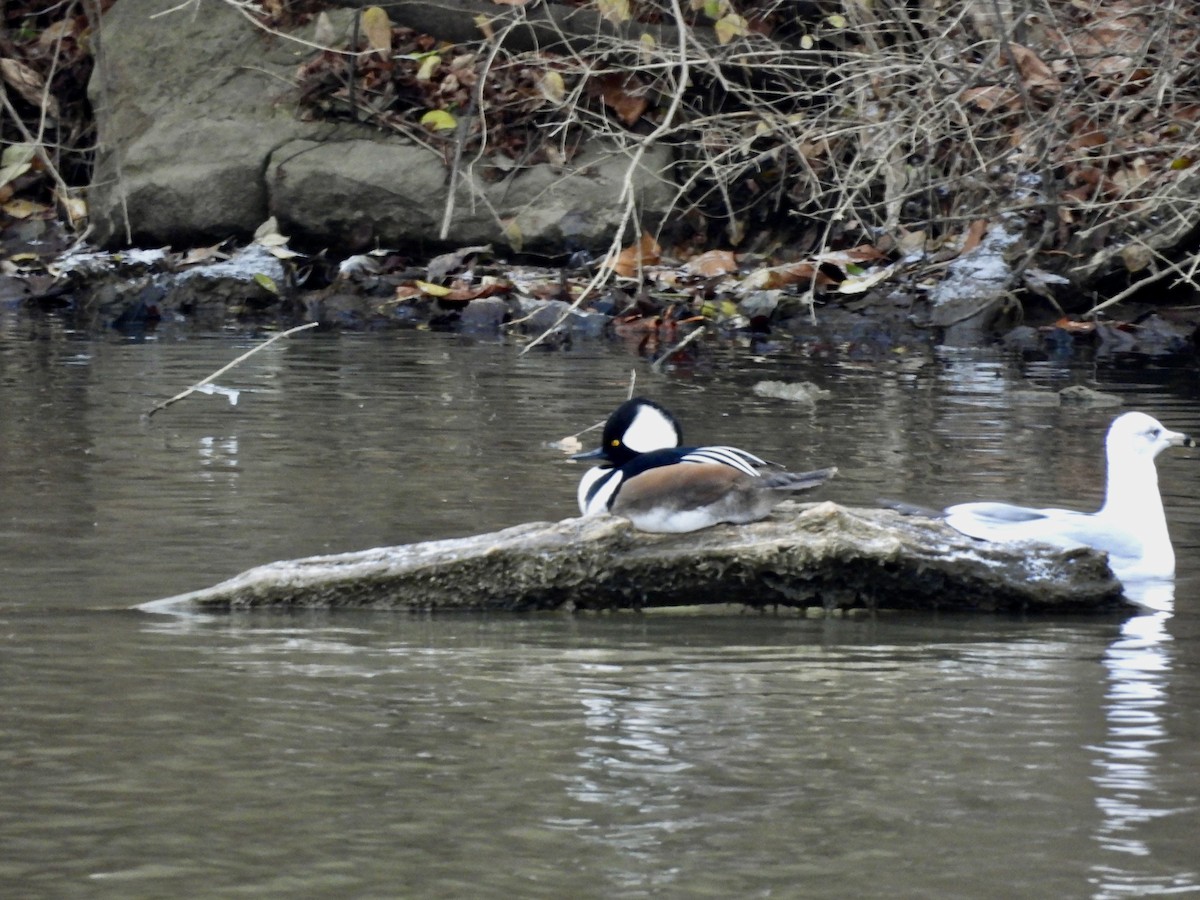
(798, 481)
(911, 509)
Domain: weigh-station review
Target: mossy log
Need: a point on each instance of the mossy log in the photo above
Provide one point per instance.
(806, 555)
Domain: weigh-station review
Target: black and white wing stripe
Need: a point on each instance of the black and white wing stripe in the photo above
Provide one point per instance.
(726, 456)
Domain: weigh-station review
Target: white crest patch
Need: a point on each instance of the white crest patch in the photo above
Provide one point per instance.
(651, 429)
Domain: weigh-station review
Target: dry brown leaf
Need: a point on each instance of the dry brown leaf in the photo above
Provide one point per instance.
(1075, 327)
(1136, 257)
(56, 31)
(26, 209)
(805, 273)
(992, 96)
(1039, 78)
(29, 84)
(712, 264)
(460, 291)
(625, 95)
(860, 284)
(864, 253)
(198, 255)
(1088, 140)
(974, 235)
(645, 252)
(1129, 178)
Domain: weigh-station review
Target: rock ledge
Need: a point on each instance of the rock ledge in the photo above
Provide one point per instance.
(807, 555)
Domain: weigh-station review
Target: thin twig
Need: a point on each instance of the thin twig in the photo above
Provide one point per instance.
(1133, 289)
(662, 360)
(221, 371)
(609, 263)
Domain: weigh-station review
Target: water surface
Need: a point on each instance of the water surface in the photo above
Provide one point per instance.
(371, 755)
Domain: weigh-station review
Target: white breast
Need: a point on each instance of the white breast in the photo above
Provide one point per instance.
(607, 479)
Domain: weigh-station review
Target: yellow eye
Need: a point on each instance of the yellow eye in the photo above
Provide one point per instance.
(616, 443)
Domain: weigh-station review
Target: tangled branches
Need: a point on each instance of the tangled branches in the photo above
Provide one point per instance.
(832, 124)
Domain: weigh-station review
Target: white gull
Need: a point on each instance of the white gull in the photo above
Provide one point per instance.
(1131, 525)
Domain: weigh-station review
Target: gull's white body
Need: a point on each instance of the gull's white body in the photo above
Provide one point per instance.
(1131, 526)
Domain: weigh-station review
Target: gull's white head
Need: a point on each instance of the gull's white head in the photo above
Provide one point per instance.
(1136, 435)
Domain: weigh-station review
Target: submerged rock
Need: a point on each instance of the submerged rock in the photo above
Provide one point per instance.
(806, 555)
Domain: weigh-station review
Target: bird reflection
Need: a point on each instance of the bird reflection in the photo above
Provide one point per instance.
(1131, 795)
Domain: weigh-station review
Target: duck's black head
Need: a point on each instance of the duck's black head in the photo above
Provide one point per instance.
(636, 426)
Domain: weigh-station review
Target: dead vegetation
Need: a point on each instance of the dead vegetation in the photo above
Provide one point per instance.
(905, 126)
(46, 125)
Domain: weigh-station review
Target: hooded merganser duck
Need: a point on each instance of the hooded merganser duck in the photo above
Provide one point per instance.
(1131, 525)
(648, 478)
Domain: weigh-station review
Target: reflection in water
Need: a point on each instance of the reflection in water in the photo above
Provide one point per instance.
(1131, 797)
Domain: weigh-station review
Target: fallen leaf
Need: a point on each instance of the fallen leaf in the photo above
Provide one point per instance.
(25, 209)
(712, 263)
(439, 120)
(552, 87)
(1075, 327)
(324, 32)
(857, 284)
(445, 263)
(974, 235)
(378, 29)
(646, 48)
(268, 232)
(428, 65)
(1037, 76)
(433, 290)
(53, 33)
(625, 94)
(729, 27)
(484, 24)
(992, 96)
(630, 260)
(513, 234)
(805, 273)
(30, 85)
(76, 208)
(1136, 256)
(615, 11)
(198, 255)
(16, 160)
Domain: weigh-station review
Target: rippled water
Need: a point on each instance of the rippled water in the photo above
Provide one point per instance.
(368, 755)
